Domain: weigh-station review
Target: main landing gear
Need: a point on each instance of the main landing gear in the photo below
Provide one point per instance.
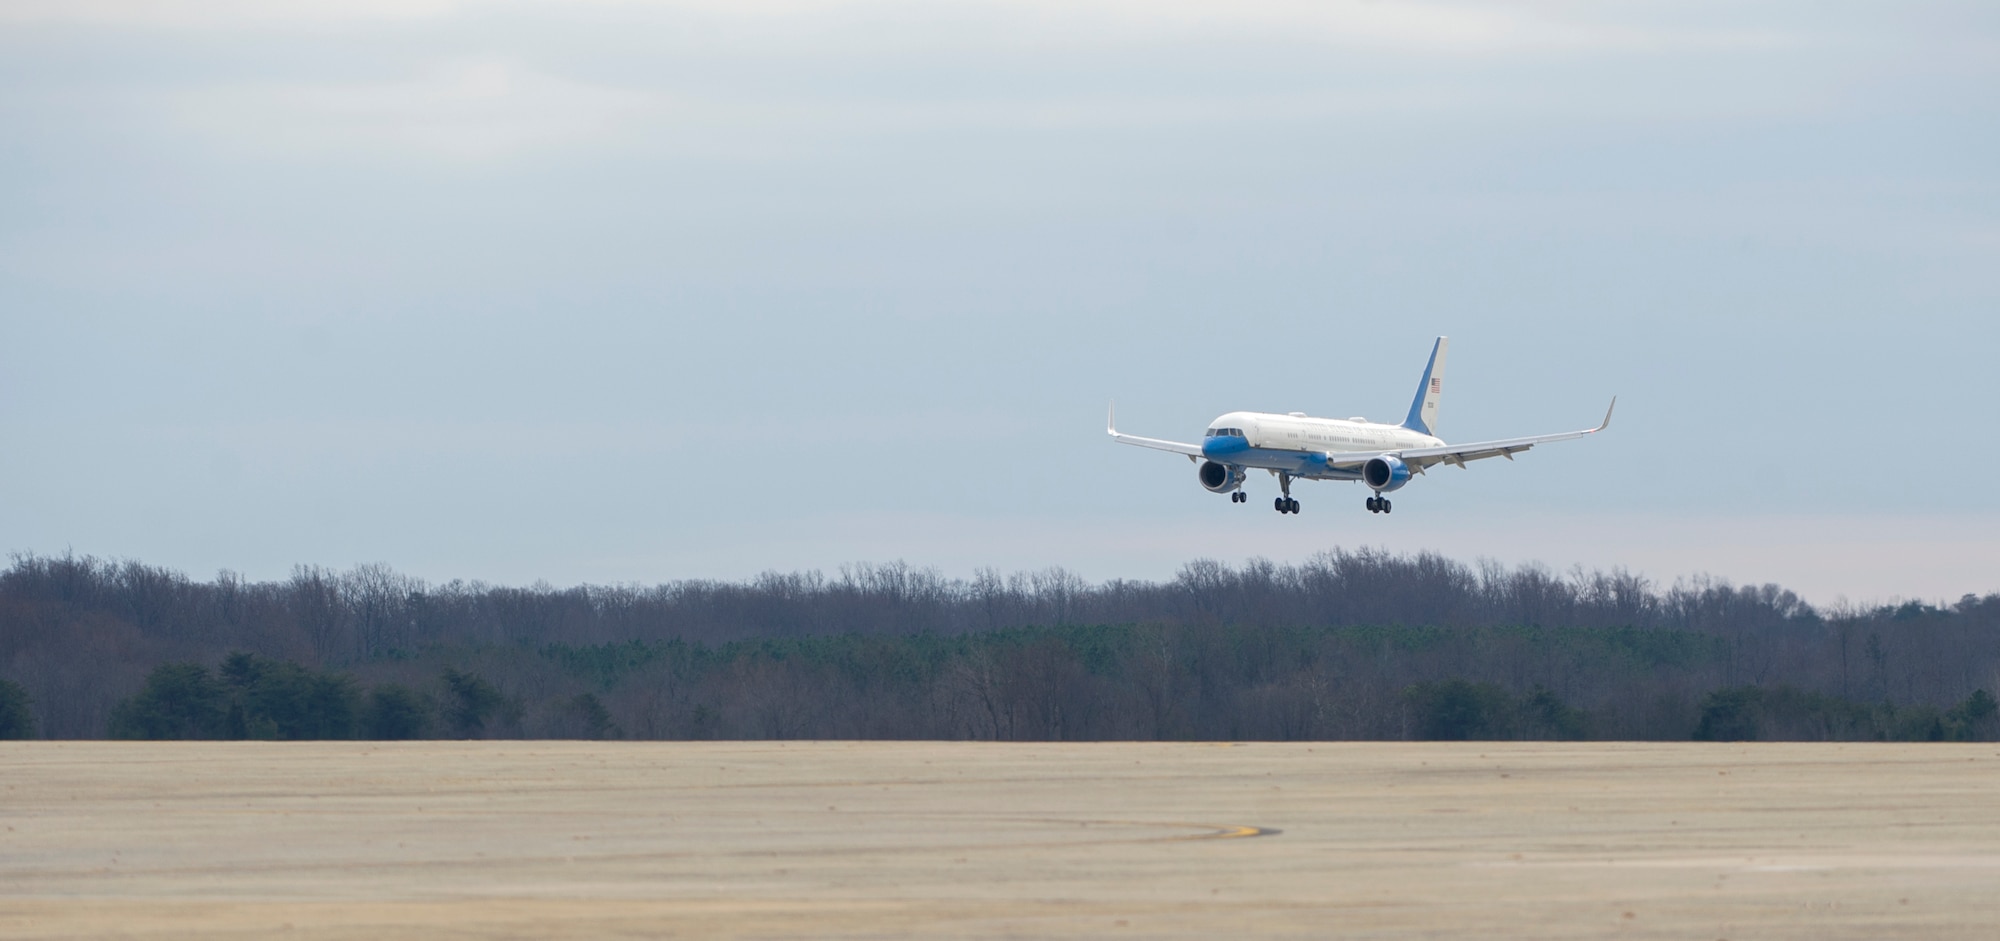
(1285, 504)
(1378, 504)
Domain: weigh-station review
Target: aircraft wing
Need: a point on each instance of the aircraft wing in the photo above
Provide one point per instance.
(1111, 428)
(1458, 454)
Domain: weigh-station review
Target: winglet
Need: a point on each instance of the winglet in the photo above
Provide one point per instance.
(1607, 414)
(1111, 419)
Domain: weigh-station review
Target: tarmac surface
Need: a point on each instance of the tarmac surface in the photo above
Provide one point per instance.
(979, 840)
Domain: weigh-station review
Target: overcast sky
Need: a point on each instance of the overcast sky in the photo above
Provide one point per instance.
(617, 292)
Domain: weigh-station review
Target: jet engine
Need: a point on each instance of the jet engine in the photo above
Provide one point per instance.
(1220, 478)
(1386, 473)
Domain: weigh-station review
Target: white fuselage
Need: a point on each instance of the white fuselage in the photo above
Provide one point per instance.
(1300, 444)
(1305, 433)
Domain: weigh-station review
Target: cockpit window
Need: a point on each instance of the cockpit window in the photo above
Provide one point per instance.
(1226, 433)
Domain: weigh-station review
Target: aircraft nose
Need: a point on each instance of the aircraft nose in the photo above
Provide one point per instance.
(1222, 446)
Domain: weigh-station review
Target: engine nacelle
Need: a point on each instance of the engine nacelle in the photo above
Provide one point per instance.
(1220, 478)
(1386, 473)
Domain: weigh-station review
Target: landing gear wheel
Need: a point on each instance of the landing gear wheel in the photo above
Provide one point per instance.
(1385, 506)
(1278, 504)
(1374, 504)
(1291, 506)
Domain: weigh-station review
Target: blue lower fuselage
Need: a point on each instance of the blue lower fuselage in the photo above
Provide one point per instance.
(1236, 451)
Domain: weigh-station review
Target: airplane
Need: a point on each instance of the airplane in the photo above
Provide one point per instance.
(1294, 446)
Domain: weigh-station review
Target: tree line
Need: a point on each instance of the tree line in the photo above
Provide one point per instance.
(1362, 644)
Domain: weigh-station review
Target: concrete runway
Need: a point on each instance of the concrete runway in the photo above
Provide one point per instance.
(967, 840)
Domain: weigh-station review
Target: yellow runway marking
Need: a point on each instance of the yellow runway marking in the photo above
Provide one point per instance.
(1223, 833)
(1215, 831)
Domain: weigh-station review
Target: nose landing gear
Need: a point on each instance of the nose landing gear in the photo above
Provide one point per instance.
(1239, 497)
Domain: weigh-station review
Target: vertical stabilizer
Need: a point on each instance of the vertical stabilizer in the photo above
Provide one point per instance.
(1424, 410)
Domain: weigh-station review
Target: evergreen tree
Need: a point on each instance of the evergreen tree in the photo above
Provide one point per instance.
(1459, 710)
(395, 712)
(471, 702)
(279, 699)
(1545, 716)
(588, 718)
(1975, 719)
(17, 719)
(1729, 715)
(179, 701)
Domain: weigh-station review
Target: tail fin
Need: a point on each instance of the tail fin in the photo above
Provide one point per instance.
(1424, 410)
